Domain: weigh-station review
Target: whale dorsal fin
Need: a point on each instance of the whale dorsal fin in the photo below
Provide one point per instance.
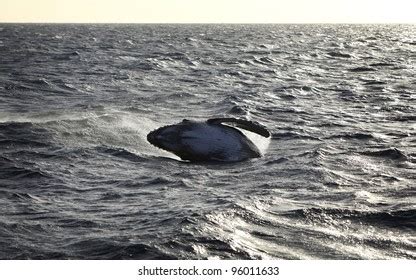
(243, 124)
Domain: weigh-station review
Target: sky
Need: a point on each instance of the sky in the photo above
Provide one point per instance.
(209, 11)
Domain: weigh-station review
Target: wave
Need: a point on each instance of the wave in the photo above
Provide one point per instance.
(91, 248)
(20, 173)
(401, 219)
(362, 69)
(390, 153)
(26, 134)
(67, 56)
(374, 83)
(292, 135)
(404, 118)
(382, 64)
(14, 172)
(339, 54)
(358, 136)
(16, 196)
(120, 153)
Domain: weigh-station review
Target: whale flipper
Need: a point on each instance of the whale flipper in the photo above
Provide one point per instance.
(243, 124)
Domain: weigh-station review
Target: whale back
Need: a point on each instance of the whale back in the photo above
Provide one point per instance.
(204, 141)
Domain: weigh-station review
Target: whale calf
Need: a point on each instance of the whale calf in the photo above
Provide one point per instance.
(211, 140)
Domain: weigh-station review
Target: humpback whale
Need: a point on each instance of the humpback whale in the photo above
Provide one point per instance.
(212, 140)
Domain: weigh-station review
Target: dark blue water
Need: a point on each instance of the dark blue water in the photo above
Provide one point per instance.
(78, 179)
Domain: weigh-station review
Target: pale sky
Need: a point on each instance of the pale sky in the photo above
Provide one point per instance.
(209, 11)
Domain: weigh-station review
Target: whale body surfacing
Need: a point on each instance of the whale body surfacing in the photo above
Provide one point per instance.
(210, 140)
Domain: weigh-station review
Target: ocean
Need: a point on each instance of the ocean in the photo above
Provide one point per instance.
(78, 179)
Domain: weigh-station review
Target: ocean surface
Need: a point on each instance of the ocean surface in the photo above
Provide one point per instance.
(78, 180)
